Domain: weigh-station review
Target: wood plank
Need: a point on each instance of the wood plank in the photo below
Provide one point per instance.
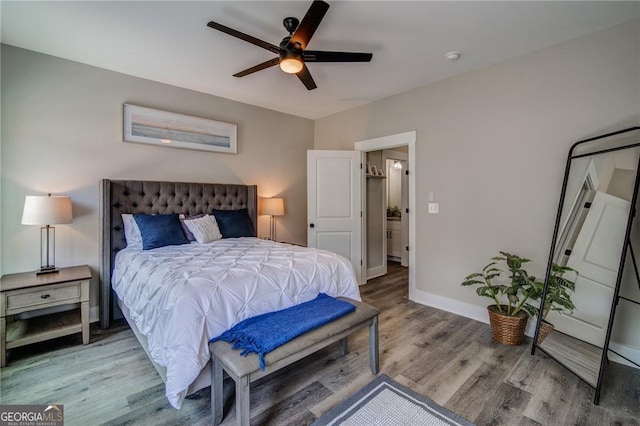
(30, 279)
(450, 357)
(580, 357)
(467, 400)
(445, 378)
(506, 406)
(295, 409)
(33, 330)
(525, 374)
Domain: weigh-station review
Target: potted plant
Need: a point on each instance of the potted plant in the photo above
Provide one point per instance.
(558, 298)
(509, 315)
(393, 211)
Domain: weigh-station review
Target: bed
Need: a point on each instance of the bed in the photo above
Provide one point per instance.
(175, 298)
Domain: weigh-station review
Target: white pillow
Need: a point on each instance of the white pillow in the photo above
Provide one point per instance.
(131, 232)
(204, 229)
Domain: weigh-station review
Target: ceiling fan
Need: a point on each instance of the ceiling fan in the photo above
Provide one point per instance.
(291, 52)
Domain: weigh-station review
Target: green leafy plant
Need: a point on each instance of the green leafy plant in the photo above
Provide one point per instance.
(510, 296)
(393, 211)
(558, 297)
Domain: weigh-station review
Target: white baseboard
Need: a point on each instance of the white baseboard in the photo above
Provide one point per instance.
(468, 310)
(378, 271)
(454, 306)
(632, 353)
(479, 313)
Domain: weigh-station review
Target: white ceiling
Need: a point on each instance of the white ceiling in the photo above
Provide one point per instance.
(169, 42)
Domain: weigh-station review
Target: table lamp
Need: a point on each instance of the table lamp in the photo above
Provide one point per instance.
(272, 207)
(47, 210)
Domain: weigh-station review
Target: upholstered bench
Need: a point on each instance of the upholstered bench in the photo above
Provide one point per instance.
(245, 370)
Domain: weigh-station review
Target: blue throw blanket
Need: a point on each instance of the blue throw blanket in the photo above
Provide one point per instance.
(263, 333)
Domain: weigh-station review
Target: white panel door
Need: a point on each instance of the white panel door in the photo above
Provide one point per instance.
(596, 257)
(334, 200)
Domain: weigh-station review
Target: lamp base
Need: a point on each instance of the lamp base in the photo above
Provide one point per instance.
(272, 230)
(47, 250)
(47, 270)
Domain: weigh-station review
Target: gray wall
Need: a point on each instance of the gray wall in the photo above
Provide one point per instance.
(62, 132)
(491, 145)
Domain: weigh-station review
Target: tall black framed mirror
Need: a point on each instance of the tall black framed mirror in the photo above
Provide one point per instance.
(592, 259)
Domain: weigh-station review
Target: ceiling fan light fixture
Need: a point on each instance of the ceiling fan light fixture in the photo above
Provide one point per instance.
(291, 64)
(291, 52)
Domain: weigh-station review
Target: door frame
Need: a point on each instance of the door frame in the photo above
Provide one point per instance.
(388, 142)
(575, 216)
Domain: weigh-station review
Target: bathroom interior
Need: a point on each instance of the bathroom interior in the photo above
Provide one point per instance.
(387, 229)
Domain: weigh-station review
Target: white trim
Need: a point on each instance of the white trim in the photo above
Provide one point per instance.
(454, 306)
(464, 309)
(631, 353)
(386, 142)
(390, 154)
(378, 271)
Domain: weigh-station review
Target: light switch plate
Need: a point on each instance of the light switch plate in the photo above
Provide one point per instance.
(433, 207)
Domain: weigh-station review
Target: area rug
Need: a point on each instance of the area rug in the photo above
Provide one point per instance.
(384, 402)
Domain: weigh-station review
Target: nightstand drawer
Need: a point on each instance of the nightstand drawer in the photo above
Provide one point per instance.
(21, 300)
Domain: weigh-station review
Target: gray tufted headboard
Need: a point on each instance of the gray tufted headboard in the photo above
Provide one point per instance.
(134, 196)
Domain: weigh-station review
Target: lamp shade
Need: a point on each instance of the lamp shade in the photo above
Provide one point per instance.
(46, 210)
(272, 206)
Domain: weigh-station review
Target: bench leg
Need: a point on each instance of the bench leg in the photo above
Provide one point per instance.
(373, 346)
(242, 401)
(344, 347)
(216, 391)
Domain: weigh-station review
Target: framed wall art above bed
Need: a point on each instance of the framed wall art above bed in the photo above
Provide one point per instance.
(163, 128)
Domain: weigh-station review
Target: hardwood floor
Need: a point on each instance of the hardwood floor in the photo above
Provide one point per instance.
(447, 358)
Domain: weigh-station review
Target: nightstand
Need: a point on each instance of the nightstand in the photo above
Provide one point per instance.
(26, 292)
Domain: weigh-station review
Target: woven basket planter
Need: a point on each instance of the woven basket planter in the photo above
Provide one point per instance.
(507, 330)
(545, 329)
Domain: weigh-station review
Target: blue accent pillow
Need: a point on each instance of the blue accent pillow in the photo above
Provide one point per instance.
(234, 223)
(159, 230)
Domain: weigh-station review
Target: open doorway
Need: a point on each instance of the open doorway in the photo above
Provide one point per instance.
(397, 205)
(386, 214)
(382, 207)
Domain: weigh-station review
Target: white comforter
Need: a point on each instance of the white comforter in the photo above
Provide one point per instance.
(181, 296)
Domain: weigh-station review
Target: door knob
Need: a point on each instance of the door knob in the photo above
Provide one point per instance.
(311, 225)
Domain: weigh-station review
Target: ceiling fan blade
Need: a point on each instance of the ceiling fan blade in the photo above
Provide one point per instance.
(308, 25)
(259, 67)
(322, 56)
(306, 79)
(242, 36)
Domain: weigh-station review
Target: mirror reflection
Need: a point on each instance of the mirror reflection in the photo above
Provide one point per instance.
(394, 187)
(587, 253)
